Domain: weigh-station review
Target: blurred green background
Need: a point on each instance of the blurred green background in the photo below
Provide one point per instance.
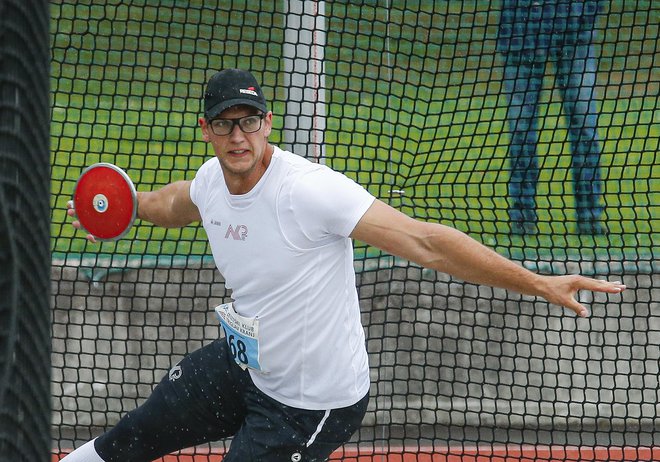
(414, 104)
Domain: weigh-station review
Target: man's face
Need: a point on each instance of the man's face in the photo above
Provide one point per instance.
(239, 153)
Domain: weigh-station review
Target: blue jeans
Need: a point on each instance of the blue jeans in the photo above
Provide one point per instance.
(575, 69)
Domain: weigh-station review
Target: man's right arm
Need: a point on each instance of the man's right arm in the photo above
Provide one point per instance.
(169, 207)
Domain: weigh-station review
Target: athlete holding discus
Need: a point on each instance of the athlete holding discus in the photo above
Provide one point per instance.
(281, 229)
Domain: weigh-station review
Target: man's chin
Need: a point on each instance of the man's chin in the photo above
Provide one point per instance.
(237, 165)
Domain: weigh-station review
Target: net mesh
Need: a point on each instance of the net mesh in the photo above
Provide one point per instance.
(24, 232)
(413, 100)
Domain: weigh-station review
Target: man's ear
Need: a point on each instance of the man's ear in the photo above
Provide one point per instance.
(205, 129)
(269, 124)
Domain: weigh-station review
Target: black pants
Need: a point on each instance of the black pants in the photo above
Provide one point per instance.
(207, 397)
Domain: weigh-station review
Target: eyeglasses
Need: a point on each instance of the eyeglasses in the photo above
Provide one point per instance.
(247, 124)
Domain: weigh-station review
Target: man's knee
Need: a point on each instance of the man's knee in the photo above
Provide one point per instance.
(128, 440)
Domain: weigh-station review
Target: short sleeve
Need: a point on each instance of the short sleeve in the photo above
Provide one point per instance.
(199, 184)
(326, 204)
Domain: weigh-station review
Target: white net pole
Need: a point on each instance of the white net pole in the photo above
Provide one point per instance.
(304, 49)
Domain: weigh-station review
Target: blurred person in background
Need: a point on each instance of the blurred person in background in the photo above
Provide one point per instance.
(533, 33)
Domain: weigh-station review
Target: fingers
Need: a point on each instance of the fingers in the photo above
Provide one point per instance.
(71, 211)
(570, 301)
(579, 309)
(564, 290)
(613, 287)
(595, 285)
(600, 285)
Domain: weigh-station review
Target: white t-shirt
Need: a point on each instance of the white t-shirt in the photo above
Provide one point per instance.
(284, 251)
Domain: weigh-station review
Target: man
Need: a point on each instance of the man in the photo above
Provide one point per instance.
(290, 381)
(532, 33)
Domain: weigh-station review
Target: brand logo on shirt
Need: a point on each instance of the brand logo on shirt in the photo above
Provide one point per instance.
(238, 233)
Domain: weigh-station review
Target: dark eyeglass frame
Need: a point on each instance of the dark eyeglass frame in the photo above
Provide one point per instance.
(234, 122)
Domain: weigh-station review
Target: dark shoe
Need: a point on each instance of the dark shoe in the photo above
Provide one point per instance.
(591, 228)
(523, 228)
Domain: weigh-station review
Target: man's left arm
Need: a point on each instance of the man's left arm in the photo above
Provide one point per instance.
(451, 251)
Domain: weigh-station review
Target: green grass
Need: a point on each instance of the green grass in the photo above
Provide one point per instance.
(415, 106)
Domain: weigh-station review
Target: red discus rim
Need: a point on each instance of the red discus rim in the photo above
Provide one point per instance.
(105, 201)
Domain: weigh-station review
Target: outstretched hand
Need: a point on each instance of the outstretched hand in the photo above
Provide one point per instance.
(75, 223)
(562, 290)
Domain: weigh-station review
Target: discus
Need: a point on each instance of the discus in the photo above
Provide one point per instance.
(105, 201)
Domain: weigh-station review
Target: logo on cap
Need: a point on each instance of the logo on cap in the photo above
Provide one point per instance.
(229, 88)
(249, 91)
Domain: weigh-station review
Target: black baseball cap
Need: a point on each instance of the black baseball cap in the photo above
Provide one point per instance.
(232, 87)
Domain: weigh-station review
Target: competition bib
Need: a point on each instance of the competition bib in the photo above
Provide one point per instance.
(242, 335)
